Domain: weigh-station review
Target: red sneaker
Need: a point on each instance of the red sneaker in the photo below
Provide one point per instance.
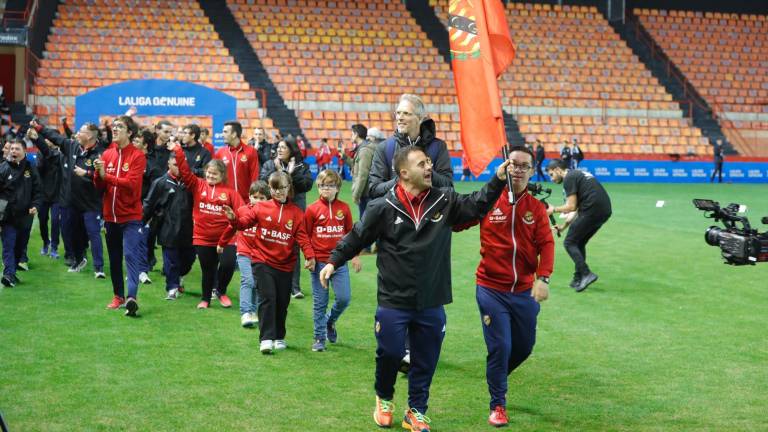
(415, 421)
(116, 302)
(203, 305)
(225, 301)
(498, 417)
(382, 415)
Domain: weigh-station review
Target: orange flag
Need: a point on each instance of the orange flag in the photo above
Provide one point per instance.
(481, 48)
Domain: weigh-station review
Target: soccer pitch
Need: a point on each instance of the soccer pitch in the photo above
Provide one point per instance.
(668, 338)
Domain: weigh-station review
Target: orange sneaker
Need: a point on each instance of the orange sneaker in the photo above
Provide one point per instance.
(203, 305)
(225, 301)
(498, 417)
(415, 421)
(116, 302)
(382, 415)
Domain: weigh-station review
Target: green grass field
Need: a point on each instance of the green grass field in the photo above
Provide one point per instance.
(669, 338)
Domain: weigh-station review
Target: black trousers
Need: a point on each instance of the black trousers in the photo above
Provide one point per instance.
(217, 269)
(274, 287)
(539, 172)
(581, 231)
(719, 171)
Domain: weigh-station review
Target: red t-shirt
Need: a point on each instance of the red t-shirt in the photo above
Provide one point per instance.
(211, 226)
(327, 223)
(280, 227)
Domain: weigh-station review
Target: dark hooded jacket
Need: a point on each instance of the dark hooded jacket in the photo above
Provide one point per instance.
(383, 177)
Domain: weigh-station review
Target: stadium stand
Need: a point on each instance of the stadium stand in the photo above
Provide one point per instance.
(342, 62)
(140, 39)
(725, 57)
(573, 77)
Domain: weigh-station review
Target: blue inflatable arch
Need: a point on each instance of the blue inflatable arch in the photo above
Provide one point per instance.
(158, 98)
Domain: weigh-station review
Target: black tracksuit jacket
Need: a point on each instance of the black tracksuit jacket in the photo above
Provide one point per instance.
(414, 259)
(169, 205)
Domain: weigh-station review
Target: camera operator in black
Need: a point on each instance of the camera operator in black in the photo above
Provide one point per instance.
(717, 150)
(590, 208)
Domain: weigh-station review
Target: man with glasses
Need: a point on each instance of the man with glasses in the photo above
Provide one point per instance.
(588, 207)
(119, 172)
(412, 224)
(413, 128)
(518, 255)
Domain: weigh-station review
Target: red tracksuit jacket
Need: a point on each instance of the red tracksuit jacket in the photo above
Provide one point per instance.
(211, 226)
(122, 183)
(511, 263)
(327, 223)
(242, 167)
(281, 226)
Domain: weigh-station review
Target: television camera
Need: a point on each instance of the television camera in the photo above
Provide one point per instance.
(739, 243)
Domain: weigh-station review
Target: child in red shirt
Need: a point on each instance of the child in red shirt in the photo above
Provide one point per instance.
(281, 226)
(328, 219)
(246, 244)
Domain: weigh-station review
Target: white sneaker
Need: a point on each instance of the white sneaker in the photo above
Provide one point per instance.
(266, 346)
(77, 267)
(255, 317)
(144, 278)
(99, 275)
(246, 320)
(280, 345)
(172, 294)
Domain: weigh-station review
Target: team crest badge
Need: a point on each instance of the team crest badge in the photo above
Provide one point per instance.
(88, 162)
(126, 167)
(487, 320)
(437, 217)
(27, 174)
(462, 30)
(378, 326)
(197, 158)
(243, 158)
(339, 215)
(289, 224)
(225, 160)
(528, 217)
(223, 196)
(204, 194)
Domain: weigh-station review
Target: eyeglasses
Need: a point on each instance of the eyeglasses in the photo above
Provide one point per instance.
(522, 168)
(118, 126)
(327, 186)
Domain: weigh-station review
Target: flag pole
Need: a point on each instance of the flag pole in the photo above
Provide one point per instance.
(505, 154)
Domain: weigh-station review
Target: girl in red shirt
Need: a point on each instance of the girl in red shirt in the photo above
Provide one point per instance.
(328, 219)
(281, 226)
(212, 236)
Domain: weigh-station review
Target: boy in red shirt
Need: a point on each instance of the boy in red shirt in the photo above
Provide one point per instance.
(120, 172)
(281, 226)
(246, 243)
(328, 220)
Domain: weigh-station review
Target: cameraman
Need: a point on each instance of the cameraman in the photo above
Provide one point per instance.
(586, 195)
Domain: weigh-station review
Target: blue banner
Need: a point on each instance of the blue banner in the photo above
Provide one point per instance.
(635, 171)
(158, 98)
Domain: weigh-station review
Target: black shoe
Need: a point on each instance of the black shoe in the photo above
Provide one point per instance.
(15, 279)
(586, 281)
(131, 307)
(7, 282)
(575, 281)
(405, 363)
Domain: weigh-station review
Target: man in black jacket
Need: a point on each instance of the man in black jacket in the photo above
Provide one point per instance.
(50, 166)
(197, 156)
(412, 224)
(413, 128)
(265, 150)
(169, 206)
(81, 203)
(20, 199)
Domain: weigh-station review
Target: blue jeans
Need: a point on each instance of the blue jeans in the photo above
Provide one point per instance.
(509, 329)
(249, 298)
(177, 262)
(124, 240)
(425, 329)
(341, 289)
